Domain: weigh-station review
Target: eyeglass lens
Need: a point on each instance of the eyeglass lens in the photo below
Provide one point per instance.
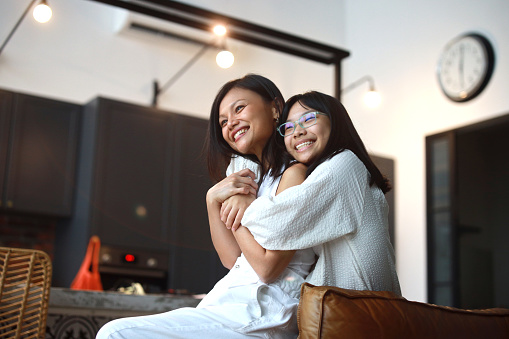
(305, 121)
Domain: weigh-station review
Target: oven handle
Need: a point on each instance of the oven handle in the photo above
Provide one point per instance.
(132, 271)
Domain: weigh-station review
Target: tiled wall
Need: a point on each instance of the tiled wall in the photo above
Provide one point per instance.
(31, 232)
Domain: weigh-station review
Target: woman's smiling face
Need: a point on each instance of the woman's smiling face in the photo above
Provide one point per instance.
(246, 121)
(305, 145)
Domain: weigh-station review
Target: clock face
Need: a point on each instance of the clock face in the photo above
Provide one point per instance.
(465, 67)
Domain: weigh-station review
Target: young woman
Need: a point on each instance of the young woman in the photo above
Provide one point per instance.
(259, 296)
(339, 210)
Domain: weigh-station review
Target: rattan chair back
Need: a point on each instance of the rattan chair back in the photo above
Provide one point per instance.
(25, 281)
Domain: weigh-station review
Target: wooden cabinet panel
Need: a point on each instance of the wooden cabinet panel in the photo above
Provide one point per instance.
(132, 175)
(196, 265)
(192, 184)
(41, 155)
(5, 125)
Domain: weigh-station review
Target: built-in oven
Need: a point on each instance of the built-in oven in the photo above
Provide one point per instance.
(120, 267)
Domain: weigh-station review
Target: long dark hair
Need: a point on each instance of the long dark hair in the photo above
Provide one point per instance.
(343, 136)
(216, 148)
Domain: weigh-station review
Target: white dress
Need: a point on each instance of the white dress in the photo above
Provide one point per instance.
(239, 305)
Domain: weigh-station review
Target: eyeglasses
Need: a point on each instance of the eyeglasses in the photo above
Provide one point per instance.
(305, 121)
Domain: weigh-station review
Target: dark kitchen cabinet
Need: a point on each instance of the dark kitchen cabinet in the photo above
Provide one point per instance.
(195, 262)
(132, 174)
(38, 144)
(141, 188)
(5, 125)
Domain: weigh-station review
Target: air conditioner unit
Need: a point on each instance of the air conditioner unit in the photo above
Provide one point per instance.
(145, 27)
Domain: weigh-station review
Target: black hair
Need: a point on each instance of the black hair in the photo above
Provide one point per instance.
(343, 136)
(217, 149)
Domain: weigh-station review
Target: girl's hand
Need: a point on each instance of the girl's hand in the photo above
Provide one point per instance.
(241, 182)
(233, 208)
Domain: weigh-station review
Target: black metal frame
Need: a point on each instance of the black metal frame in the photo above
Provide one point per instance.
(240, 30)
(13, 30)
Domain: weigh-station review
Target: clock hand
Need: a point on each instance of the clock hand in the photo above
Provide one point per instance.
(461, 66)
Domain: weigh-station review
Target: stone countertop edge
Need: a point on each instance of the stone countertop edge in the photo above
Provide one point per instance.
(67, 298)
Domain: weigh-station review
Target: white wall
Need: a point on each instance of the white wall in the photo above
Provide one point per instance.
(78, 56)
(399, 42)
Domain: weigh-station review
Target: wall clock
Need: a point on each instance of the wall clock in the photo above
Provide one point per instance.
(465, 67)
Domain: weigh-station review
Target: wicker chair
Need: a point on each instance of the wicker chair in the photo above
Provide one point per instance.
(25, 280)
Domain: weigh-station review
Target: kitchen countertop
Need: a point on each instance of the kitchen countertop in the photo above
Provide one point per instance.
(80, 314)
(98, 300)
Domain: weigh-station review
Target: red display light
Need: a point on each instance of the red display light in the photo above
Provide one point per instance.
(129, 258)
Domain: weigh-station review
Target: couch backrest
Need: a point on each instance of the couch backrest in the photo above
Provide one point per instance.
(331, 312)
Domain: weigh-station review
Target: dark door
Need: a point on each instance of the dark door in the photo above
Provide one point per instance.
(467, 184)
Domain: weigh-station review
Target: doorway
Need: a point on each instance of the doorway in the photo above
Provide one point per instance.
(467, 173)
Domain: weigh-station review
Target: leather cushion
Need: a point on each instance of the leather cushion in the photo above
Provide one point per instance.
(331, 312)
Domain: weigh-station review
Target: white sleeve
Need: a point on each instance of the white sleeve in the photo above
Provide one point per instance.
(238, 163)
(326, 206)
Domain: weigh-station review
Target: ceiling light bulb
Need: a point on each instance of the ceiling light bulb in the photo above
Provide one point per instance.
(42, 12)
(372, 99)
(219, 30)
(225, 59)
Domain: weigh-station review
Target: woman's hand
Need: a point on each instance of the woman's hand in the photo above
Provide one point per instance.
(241, 182)
(233, 208)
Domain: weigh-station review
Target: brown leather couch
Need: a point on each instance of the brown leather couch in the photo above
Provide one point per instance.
(331, 312)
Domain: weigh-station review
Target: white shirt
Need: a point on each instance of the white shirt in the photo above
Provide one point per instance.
(341, 216)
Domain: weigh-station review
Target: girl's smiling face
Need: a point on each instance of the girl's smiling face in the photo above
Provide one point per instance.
(306, 144)
(246, 121)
